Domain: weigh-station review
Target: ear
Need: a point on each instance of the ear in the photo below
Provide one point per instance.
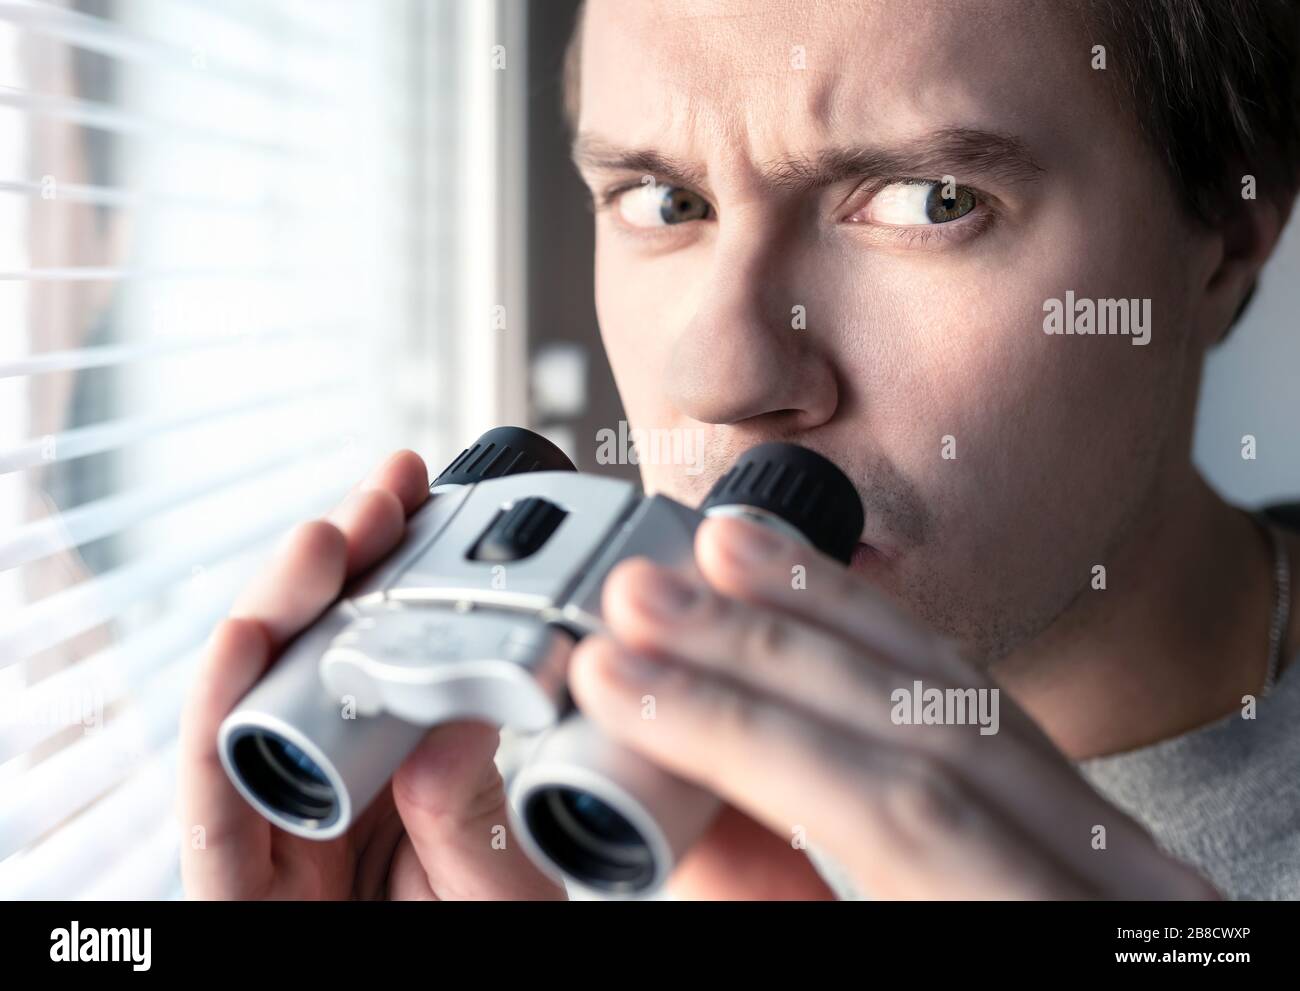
(1248, 234)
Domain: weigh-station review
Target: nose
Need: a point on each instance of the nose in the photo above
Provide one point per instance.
(748, 355)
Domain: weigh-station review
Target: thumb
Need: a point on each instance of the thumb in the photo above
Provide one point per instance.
(452, 801)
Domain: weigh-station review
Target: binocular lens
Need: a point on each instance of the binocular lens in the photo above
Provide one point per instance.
(284, 777)
(589, 840)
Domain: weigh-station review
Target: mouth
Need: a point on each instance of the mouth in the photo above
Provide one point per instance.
(868, 557)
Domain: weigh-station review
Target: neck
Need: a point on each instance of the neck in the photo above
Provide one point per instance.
(1176, 639)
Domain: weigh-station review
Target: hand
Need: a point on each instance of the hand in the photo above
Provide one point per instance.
(778, 699)
(430, 835)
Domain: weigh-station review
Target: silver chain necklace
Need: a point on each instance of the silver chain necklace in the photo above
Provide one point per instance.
(1281, 603)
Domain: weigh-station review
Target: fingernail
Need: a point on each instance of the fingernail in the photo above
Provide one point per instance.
(663, 593)
(751, 543)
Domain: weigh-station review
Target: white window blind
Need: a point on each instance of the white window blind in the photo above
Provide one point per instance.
(246, 248)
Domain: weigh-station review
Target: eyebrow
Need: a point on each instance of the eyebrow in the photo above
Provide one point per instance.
(959, 152)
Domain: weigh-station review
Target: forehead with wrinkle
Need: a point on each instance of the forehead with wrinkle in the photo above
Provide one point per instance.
(687, 75)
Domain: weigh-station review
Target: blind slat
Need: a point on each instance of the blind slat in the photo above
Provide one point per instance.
(81, 441)
(86, 273)
(84, 850)
(81, 607)
(254, 162)
(105, 117)
(148, 868)
(74, 192)
(76, 527)
(63, 784)
(95, 34)
(265, 208)
(277, 22)
(121, 354)
(53, 704)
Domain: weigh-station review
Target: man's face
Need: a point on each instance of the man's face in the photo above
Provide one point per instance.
(811, 276)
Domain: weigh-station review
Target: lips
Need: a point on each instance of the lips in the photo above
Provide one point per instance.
(867, 557)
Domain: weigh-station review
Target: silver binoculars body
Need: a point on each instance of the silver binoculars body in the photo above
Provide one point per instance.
(474, 616)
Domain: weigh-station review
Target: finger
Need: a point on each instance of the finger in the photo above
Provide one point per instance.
(756, 563)
(375, 837)
(739, 859)
(372, 522)
(222, 837)
(407, 881)
(655, 612)
(304, 576)
(373, 516)
(404, 474)
(452, 800)
(901, 823)
(310, 566)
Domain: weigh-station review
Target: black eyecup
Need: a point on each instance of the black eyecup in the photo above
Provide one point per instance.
(504, 451)
(802, 488)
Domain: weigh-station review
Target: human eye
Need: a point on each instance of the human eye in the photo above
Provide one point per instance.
(922, 213)
(650, 204)
(917, 203)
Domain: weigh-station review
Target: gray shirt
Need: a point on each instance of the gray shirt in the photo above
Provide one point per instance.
(1225, 797)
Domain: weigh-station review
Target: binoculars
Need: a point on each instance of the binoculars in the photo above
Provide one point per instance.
(474, 616)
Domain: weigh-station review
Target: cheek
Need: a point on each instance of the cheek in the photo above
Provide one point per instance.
(953, 345)
(642, 305)
(627, 322)
(1065, 432)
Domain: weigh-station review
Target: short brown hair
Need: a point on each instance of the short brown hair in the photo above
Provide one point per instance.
(1215, 87)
